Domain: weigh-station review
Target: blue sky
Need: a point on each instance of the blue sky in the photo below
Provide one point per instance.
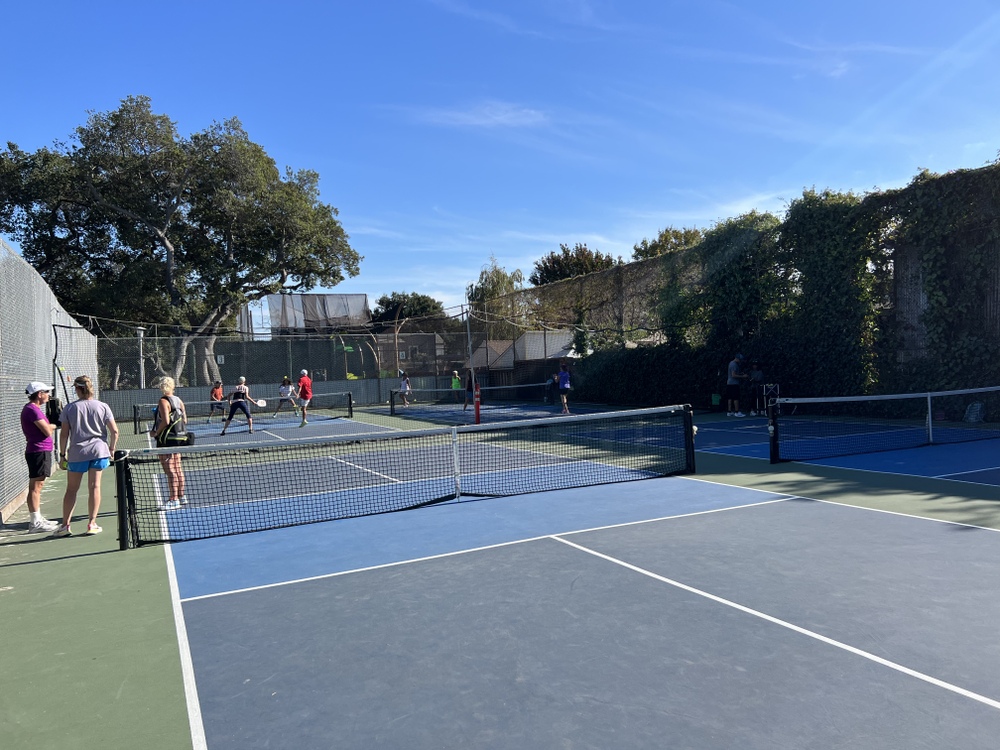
(447, 131)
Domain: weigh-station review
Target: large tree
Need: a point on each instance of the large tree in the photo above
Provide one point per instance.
(401, 305)
(669, 240)
(570, 262)
(421, 312)
(495, 300)
(132, 220)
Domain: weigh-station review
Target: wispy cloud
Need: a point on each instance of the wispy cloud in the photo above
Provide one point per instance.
(856, 48)
(498, 20)
(372, 231)
(489, 114)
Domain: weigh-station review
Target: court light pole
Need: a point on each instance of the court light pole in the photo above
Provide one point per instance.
(140, 332)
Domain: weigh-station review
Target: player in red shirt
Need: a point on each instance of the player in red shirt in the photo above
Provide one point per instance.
(305, 394)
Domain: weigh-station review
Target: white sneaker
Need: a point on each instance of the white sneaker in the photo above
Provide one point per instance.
(739, 414)
(183, 499)
(41, 525)
(753, 414)
(168, 505)
(729, 414)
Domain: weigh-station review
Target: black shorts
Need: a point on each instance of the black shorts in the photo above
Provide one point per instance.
(733, 392)
(39, 465)
(218, 405)
(238, 406)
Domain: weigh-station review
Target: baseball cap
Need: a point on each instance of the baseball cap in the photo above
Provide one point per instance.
(36, 385)
(739, 356)
(304, 372)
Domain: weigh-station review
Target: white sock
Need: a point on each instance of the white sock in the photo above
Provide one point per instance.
(36, 515)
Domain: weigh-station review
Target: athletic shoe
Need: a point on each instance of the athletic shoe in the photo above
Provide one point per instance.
(729, 414)
(93, 528)
(251, 430)
(222, 433)
(753, 414)
(61, 531)
(183, 500)
(41, 525)
(739, 414)
(304, 423)
(168, 505)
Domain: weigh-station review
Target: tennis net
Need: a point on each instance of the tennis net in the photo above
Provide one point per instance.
(803, 429)
(321, 406)
(247, 488)
(502, 402)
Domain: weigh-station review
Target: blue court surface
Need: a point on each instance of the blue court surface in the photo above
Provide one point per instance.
(976, 462)
(276, 430)
(663, 613)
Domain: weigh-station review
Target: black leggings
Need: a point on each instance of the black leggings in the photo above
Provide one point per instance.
(238, 406)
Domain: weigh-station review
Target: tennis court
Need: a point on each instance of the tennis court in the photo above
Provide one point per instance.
(738, 607)
(675, 611)
(612, 615)
(921, 444)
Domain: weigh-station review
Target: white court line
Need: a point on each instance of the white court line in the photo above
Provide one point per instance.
(365, 469)
(897, 513)
(943, 478)
(198, 741)
(477, 549)
(960, 473)
(785, 624)
(851, 505)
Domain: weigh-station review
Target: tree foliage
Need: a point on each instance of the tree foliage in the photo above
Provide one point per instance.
(669, 240)
(132, 220)
(399, 305)
(421, 311)
(570, 262)
(494, 282)
(493, 301)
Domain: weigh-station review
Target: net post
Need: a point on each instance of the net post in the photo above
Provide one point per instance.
(476, 401)
(772, 431)
(457, 464)
(350, 405)
(689, 438)
(121, 491)
(392, 403)
(930, 421)
(135, 418)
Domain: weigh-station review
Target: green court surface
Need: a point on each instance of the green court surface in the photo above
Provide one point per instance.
(91, 658)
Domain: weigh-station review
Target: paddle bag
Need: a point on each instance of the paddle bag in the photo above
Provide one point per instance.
(174, 435)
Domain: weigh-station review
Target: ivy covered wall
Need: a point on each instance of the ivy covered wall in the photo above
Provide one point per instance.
(893, 291)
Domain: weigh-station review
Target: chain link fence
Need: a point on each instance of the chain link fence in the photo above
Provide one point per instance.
(38, 341)
(368, 365)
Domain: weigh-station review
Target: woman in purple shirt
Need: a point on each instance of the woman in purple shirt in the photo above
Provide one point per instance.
(38, 453)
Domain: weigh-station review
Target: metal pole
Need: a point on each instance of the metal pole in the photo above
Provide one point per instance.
(468, 336)
(140, 331)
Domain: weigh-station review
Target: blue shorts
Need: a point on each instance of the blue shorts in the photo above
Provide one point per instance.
(82, 467)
